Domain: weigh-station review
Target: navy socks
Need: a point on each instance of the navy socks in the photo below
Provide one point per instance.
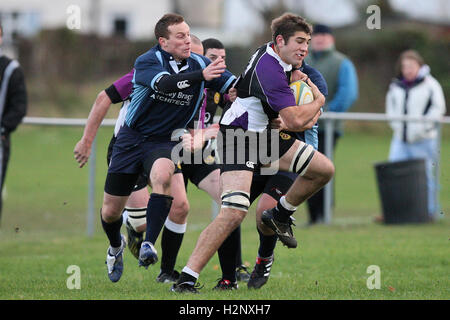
(228, 254)
(112, 231)
(170, 245)
(266, 245)
(157, 211)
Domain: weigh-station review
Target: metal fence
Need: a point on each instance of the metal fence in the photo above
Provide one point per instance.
(328, 117)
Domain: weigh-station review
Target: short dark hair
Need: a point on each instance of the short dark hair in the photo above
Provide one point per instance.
(212, 43)
(287, 25)
(162, 26)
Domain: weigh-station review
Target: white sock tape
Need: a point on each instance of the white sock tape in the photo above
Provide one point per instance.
(190, 272)
(175, 227)
(287, 205)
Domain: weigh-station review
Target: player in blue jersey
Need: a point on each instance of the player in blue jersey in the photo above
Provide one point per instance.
(168, 87)
(263, 95)
(205, 176)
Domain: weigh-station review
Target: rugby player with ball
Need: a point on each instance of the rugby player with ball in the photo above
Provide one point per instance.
(263, 95)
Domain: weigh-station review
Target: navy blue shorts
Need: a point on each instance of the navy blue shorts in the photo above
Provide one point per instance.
(141, 182)
(134, 154)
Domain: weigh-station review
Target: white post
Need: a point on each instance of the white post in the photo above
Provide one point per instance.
(437, 173)
(328, 190)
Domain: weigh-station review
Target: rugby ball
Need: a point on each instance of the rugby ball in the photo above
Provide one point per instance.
(302, 92)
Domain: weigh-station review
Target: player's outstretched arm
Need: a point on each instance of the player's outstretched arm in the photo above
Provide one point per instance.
(98, 112)
(181, 81)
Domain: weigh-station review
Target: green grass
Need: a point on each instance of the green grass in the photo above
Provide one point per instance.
(43, 232)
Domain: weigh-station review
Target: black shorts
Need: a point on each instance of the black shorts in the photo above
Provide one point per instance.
(246, 150)
(197, 172)
(200, 165)
(275, 186)
(142, 178)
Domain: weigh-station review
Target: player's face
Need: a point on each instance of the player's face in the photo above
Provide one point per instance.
(179, 42)
(295, 49)
(410, 69)
(213, 54)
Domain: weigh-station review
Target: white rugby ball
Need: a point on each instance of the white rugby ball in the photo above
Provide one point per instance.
(302, 92)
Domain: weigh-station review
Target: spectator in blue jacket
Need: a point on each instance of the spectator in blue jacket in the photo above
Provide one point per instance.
(342, 80)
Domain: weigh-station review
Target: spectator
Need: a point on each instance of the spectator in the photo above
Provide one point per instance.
(415, 92)
(13, 106)
(342, 80)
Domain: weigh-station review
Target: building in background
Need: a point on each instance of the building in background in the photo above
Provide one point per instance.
(132, 18)
(235, 22)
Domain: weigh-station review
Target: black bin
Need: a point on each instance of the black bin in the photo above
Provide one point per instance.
(403, 191)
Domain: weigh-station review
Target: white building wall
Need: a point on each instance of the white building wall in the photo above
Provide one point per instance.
(141, 15)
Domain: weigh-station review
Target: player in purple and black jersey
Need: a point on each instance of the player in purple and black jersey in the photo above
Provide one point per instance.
(263, 95)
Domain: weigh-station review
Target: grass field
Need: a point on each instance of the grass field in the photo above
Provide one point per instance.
(43, 232)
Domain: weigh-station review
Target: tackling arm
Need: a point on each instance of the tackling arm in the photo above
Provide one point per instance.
(177, 82)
